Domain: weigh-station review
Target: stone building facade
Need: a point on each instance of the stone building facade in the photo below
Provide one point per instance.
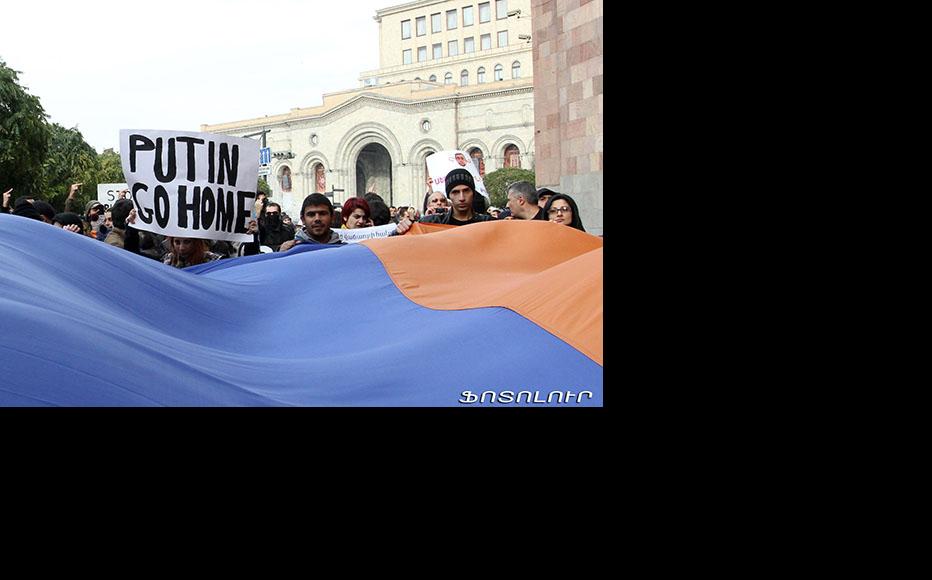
(463, 80)
(568, 104)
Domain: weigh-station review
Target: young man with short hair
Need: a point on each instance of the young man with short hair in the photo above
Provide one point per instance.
(461, 190)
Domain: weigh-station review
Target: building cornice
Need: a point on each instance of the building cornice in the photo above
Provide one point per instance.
(363, 99)
(379, 14)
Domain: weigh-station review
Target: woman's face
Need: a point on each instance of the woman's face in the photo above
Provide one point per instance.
(184, 247)
(357, 219)
(561, 212)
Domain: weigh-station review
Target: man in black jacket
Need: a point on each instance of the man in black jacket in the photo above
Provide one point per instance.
(461, 189)
(522, 201)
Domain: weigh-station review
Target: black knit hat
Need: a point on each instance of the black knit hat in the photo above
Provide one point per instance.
(459, 177)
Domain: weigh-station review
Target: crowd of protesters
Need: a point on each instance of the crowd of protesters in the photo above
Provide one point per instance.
(320, 222)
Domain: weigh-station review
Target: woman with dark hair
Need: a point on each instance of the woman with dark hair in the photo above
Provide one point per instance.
(561, 209)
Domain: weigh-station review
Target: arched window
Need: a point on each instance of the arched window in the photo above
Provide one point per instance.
(498, 72)
(512, 157)
(480, 75)
(448, 79)
(516, 70)
(477, 159)
(320, 178)
(417, 78)
(433, 78)
(464, 78)
(284, 178)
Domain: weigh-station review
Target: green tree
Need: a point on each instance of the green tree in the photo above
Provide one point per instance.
(70, 160)
(24, 136)
(264, 187)
(111, 170)
(497, 182)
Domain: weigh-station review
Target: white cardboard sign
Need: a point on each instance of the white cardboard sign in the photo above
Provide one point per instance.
(193, 185)
(443, 162)
(109, 193)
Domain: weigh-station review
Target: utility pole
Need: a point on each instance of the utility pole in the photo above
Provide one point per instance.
(263, 132)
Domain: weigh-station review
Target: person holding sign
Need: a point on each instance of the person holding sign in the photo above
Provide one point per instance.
(356, 213)
(461, 191)
(191, 185)
(317, 216)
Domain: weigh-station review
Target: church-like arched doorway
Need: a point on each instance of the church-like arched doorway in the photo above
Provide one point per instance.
(374, 172)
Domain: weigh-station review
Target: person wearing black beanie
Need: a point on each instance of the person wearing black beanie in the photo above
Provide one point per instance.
(466, 208)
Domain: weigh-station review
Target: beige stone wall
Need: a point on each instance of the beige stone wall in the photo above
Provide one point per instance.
(392, 117)
(568, 102)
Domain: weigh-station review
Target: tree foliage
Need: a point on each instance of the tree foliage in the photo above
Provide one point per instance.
(70, 160)
(24, 136)
(497, 182)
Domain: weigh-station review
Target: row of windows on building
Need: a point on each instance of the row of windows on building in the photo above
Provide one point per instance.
(485, 15)
(480, 75)
(453, 47)
(511, 157)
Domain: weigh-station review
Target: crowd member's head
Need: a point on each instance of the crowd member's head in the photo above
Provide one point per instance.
(93, 211)
(317, 216)
(272, 218)
(379, 212)
(522, 200)
(119, 212)
(543, 194)
(406, 211)
(356, 213)
(184, 252)
(562, 209)
(46, 211)
(373, 196)
(435, 202)
(69, 221)
(24, 208)
(108, 219)
(461, 190)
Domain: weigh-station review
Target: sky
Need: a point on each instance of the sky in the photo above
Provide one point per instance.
(106, 65)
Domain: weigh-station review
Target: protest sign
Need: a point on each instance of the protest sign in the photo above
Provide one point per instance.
(109, 193)
(193, 185)
(443, 162)
(357, 235)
